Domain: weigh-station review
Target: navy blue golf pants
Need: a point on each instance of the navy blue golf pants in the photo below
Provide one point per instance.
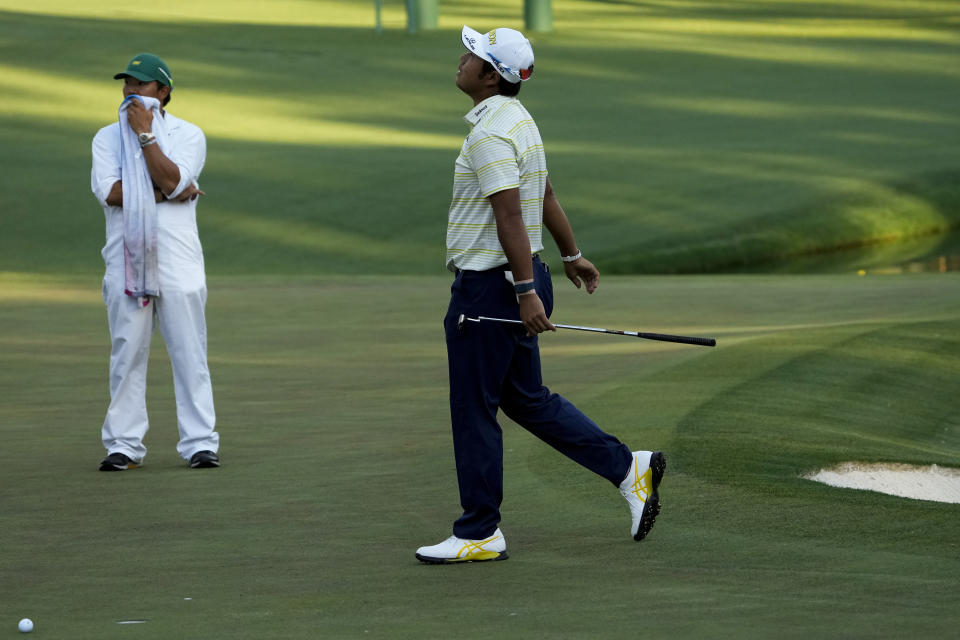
(496, 365)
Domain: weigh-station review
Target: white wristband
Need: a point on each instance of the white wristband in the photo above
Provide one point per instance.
(572, 258)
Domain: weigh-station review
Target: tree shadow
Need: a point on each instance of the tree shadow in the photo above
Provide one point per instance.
(664, 142)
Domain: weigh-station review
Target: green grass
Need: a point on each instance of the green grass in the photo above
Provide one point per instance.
(331, 401)
(681, 136)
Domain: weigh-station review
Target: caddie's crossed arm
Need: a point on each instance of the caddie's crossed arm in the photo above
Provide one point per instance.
(115, 197)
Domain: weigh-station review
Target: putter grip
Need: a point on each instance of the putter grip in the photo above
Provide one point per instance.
(665, 337)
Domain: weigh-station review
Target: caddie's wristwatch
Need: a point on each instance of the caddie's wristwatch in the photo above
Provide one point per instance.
(146, 138)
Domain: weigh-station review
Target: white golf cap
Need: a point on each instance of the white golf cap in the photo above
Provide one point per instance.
(507, 50)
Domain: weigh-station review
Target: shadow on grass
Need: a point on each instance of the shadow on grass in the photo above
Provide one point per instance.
(928, 205)
(684, 150)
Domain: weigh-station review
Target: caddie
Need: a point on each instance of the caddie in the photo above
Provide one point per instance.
(502, 200)
(146, 167)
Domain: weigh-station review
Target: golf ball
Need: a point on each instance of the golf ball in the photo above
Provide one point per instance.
(26, 625)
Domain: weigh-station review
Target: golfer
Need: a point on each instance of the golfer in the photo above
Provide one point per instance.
(502, 199)
(145, 171)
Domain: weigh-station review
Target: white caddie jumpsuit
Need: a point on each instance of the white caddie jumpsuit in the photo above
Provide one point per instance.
(178, 311)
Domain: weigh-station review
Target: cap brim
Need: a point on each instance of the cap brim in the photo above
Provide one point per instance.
(473, 41)
(142, 77)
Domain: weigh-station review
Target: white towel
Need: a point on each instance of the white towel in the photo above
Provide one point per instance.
(139, 207)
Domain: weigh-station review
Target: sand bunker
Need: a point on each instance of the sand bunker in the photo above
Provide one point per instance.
(941, 484)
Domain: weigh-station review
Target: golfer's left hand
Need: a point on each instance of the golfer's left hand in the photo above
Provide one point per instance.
(533, 315)
(584, 270)
(139, 117)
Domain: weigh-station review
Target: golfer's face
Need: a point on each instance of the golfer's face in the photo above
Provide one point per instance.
(468, 73)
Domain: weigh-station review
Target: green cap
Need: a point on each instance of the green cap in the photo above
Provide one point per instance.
(146, 67)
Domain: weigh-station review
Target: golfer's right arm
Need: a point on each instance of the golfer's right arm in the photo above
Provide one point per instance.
(516, 245)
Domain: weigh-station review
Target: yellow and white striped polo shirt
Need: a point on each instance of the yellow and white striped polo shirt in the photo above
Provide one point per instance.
(502, 151)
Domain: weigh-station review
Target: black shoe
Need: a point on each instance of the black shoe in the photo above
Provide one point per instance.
(117, 462)
(204, 460)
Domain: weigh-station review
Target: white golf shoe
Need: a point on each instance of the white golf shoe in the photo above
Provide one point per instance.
(455, 549)
(640, 490)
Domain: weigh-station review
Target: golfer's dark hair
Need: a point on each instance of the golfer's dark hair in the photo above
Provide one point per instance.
(505, 88)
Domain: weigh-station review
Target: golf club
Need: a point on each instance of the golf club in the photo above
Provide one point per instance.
(663, 337)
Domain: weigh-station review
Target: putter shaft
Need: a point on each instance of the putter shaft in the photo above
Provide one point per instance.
(663, 337)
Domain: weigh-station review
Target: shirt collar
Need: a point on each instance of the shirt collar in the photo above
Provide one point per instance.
(485, 108)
